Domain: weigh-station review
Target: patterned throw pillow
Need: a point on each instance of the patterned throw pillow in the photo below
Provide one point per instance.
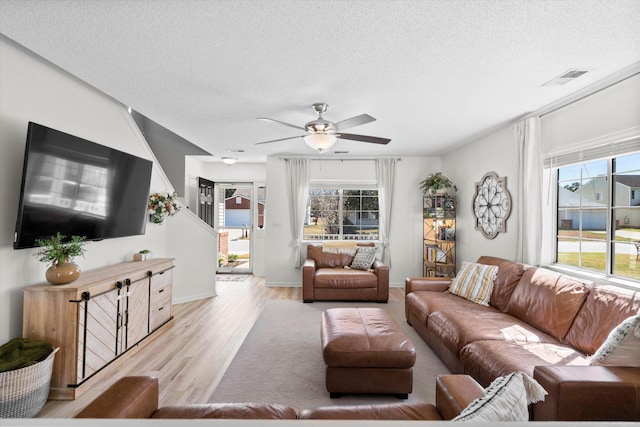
(505, 399)
(364, 258)
(474, 282)
(622, 346)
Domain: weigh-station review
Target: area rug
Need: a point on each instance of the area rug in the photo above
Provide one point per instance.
(231, 277)
(280, 361)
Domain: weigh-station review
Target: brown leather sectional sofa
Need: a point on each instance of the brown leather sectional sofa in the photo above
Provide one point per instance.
(137, 397)
(324, 278)
(543, 323)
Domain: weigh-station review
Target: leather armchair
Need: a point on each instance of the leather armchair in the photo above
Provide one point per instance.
(325, 278)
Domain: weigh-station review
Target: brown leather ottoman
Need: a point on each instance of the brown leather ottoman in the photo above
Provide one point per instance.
(366, 352)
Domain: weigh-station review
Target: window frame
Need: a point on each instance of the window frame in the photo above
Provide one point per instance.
(341, 188)
(610, 236)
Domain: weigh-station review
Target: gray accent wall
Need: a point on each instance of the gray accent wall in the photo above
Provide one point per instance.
(169, 148)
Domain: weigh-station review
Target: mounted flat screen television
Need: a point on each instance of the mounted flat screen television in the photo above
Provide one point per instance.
(77, 187)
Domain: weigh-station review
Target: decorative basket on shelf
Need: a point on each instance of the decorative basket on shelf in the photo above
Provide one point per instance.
(24, 391)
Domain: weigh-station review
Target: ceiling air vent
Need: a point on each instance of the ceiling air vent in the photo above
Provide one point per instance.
(566, 77)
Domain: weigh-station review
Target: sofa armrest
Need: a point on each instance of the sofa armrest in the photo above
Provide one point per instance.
(434, 284)
(454, 393)
(382, 271)
(594, 393)
(308, 273)
(129, 397)
(378, 411)
(238, 411)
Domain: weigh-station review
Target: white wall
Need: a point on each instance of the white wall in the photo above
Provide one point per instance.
(466, 166)
(31, 89)
(406, 228)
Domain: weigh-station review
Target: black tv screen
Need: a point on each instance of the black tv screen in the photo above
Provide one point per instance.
(77, 187)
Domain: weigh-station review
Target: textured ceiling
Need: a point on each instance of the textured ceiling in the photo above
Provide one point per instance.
(435, 74)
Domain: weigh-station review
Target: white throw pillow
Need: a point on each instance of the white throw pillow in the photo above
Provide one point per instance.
(505, 399)
(474, 282)
(622, 346)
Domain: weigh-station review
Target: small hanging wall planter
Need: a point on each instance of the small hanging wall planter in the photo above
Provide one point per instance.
(162, 205)
(491, 205)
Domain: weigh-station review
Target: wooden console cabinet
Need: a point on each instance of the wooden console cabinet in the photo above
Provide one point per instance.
(102, 317)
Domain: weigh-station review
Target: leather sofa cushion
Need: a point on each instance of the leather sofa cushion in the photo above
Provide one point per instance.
(344, 278)
(509, 274)
(456, 328)
(247, 411)
(389, 411)
(326, 259)
(424, 303)
(486, 360)
(548, 300)
(605, 308)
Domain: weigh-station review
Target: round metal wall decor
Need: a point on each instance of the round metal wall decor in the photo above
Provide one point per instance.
(491, 205)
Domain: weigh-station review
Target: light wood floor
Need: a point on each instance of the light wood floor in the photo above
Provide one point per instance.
(191, 357)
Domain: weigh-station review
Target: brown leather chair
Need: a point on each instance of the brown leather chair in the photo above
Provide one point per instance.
(325, 278)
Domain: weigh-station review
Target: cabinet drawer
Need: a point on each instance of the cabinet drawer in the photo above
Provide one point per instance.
(160, 313)
(159, 295)
(161, 280)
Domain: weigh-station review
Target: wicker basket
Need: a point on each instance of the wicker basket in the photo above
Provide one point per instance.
(23, 392)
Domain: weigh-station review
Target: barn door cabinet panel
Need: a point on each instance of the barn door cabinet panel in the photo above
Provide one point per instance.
(99, 320)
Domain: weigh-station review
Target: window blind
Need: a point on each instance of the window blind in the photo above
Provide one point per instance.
(610, 149)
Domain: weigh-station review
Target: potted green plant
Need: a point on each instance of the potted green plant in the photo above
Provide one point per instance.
(436, 184)
(143, 255)
(60, 254)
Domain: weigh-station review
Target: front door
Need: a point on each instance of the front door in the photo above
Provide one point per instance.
(234, 222)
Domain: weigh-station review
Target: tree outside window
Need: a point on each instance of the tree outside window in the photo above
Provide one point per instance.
(342, 214)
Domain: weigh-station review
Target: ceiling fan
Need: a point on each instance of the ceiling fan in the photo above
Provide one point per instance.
(321, 134)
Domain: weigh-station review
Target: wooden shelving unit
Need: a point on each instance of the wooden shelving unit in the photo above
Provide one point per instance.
(439, 236)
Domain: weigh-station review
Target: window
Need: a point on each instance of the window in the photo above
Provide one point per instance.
(598, 216)
(342, 214)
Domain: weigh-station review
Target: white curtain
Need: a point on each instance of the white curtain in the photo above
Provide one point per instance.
(529, 196)
(298, 174)
(385, 174)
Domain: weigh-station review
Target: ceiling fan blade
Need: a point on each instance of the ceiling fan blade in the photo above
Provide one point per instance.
(281, 139)
(362, 119)
(282, 123)
(363, 138)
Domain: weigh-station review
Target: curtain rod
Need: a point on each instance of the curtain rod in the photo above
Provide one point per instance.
(353, 159)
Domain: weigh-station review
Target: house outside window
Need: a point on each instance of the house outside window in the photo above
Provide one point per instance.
(342, 214)
(598, 216)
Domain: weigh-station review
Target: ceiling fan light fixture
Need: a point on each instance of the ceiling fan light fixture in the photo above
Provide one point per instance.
(320, 141)
(229, 160)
